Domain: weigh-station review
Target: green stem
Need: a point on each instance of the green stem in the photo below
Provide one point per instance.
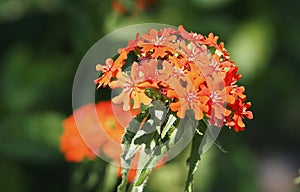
(145, 168)
(127, 139)
(193, 160)
(144, 174)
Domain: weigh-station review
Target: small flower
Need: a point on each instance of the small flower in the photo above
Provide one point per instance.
(231, 76)
(133, 87)
(218, 99)
(147, 69)
(191, 51)
(189, 98)
(212, 41)
(158, 44)
(239, 112)
(110, 69)
(193, 37)
(238, 92)
(170, 73)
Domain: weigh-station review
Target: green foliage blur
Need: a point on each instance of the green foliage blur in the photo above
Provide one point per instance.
(42, 43)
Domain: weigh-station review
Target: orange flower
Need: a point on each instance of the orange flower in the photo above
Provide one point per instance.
(190, 98)
(239, 112)
(110, 70)
(86, 137)
(212, 41)
(193, 37)
(89, 134)
(170, 73)
(147, 70)
(195, 53)
(157, 43)
(118, 7)
(238, 108)
(218, 100)
(231, 76)
(133, 87)
(72, 144)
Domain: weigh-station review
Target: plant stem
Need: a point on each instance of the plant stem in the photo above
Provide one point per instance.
(127, 139)
(193, 160)
(148, 162)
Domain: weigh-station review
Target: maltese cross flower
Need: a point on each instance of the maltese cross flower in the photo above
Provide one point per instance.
(176, 76)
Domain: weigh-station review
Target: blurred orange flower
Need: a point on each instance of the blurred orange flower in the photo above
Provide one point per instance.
(133, 6)
(72, 144)
(92, 134)
(86, 135)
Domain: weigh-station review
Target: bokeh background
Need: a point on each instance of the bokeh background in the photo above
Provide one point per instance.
(43, 41)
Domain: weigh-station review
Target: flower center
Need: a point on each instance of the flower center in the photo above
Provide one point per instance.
(191, 97)
(178, 73)
(215, 97)
(158, 40)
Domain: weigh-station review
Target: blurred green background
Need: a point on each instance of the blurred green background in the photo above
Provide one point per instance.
(43, 41)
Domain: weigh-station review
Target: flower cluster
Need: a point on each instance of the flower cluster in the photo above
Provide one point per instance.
(194, 72)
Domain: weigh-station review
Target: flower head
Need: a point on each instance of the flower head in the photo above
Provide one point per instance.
(191, 71)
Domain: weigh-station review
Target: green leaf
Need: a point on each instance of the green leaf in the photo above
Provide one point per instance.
(158, 112)
(171, 120)
(145, 139)
(202, 128)
(142, 177)
(133, 127)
